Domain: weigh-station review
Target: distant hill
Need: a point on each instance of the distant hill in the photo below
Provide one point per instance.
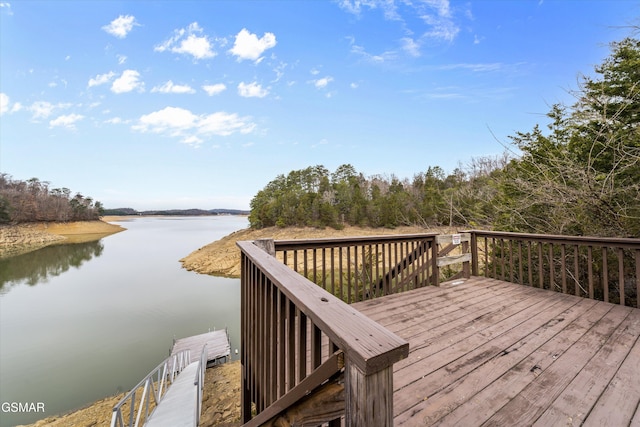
(174, 212)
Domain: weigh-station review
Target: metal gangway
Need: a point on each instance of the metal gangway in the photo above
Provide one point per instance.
(171, 395)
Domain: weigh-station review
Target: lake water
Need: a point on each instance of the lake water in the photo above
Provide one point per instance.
(80, 322)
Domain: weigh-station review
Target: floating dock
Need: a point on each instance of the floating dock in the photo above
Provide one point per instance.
(218, 346)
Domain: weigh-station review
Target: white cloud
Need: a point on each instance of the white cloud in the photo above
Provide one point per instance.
(121, 26)
(225, 124)
(41, 109)
(355, 6)
(121, 59)
(354, 85)
(4, 103)
(441, 27)
(170, 119)
(376, 59)
(191, 128)
(252, 90)
(101, 79)
(128, 81)
(185, 41)
(432, 20)
(199, 47)
(249, 46)
(192, 140)
(169, 87)
(279, 71)
(410, 46)
(68, 121)
(492, 66)
(6, 5)
(214, 89)
(323, 82)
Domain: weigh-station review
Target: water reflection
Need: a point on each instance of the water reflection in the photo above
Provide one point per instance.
(110, 311)
(38, 266)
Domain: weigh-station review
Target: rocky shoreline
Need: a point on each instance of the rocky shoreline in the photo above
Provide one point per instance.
(23, 238)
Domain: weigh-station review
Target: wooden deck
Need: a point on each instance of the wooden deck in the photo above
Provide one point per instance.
(217, 342)
(487, 352)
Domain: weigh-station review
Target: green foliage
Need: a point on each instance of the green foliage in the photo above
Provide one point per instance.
(314, 197)
(583, 175)
(580, 176)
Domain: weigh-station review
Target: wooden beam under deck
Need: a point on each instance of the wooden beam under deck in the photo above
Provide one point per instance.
(488, 352)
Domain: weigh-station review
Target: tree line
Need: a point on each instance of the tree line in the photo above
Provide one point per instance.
(580, 176)
(32, 201)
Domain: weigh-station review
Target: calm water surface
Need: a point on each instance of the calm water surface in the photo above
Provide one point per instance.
(84, 321)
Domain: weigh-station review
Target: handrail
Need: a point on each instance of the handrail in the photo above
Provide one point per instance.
(199, 381)
(358, 268)
(623, 242)
(155, 385)
(602, 268)
(328, 242)
(283, 313)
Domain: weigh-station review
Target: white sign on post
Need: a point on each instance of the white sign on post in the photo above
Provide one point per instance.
(455, 239)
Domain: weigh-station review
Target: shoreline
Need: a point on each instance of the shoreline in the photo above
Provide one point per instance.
(23, 238)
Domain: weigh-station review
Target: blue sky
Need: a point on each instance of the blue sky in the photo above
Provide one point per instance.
(180, 104)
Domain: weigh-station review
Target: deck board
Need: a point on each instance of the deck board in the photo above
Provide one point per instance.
(488, 352)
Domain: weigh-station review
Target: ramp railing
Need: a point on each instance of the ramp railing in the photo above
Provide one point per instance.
(199, 381)
(134, 411)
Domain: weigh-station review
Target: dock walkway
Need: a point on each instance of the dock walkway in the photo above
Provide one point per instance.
(178, 407)
(178, 398)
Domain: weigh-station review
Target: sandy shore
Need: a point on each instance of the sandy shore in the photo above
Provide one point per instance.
(19, 239)
(222, 257)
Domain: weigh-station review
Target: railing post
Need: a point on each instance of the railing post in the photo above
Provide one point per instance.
(466, 268)
(435, 270)
(474, 254)
(266, 245)
(368, 397)
(245, 392)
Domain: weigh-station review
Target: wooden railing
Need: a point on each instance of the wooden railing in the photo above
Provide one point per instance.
(360, 268)
(306, 355)
(606, 269)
